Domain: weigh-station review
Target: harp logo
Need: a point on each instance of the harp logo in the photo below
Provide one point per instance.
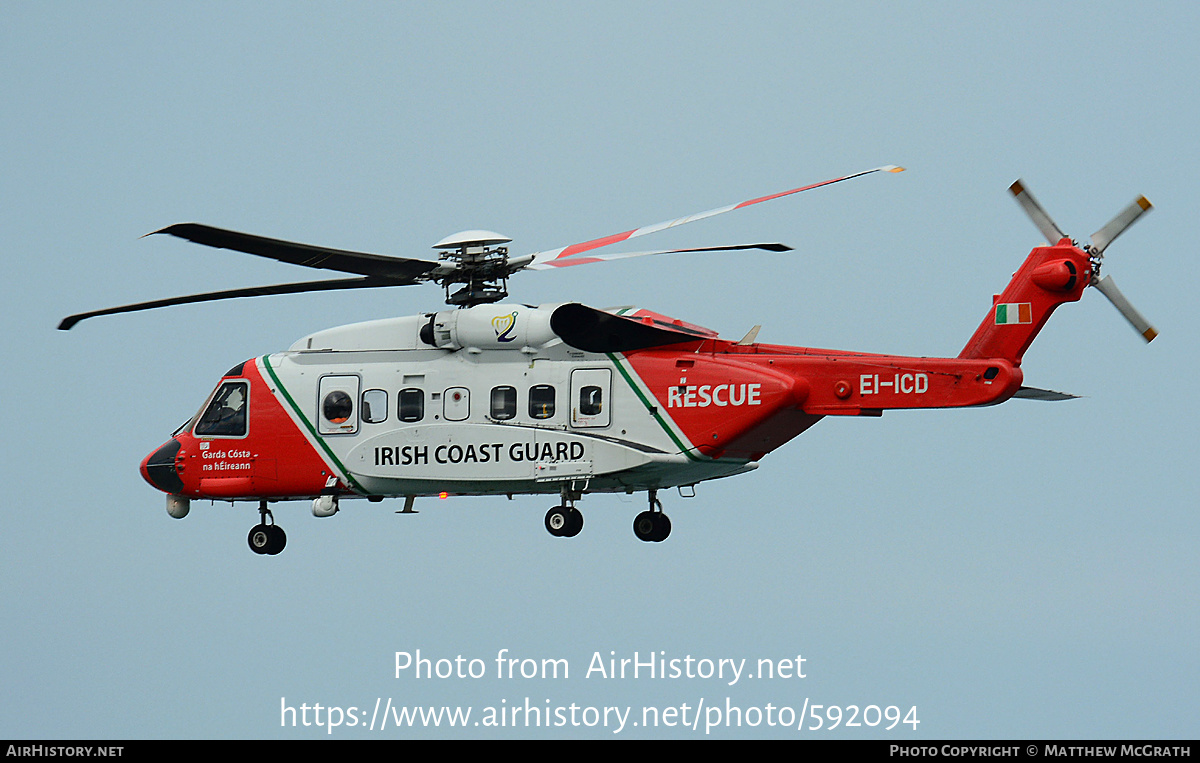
(504, 325)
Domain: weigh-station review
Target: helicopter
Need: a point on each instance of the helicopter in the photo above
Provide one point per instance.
(495, 398)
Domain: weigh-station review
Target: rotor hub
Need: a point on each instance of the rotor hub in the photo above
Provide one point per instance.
(476, 260)
(1095, 260)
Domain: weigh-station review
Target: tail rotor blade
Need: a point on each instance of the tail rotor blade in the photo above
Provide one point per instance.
(1109, 289)
(1127, 216)
(1036, 213)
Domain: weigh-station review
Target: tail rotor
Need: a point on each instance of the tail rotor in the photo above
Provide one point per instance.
(1095, 250)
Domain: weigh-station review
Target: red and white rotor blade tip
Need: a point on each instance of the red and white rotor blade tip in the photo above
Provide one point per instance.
(1042, 220)
(1108, 288)
(1126, 217)
(569, 261)
(616, 238)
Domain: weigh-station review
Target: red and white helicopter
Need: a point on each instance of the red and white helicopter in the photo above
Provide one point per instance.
(489, 398)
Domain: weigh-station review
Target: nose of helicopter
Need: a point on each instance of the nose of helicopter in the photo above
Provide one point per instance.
(158, 468)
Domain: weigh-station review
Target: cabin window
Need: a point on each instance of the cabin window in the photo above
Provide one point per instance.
(541, 401)
(412, 404)
(226, 414)
(591, 400)
(337, 407)
(374, 406)
(504, 403)
(337, 402)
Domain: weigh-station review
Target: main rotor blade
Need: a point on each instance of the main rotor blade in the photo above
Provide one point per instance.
(568, 261)
(591, 330)
(253, 291)
(587, 246)
(1036, 213)
(1126, 217)
(303, 254)
(1108, 288)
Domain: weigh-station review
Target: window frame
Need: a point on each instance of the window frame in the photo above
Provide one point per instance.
(364, 405)
(198, 421)
(400, 414)
(533, 390)
(329, 384)
(583, 380)
(511, 413)
(456, 409)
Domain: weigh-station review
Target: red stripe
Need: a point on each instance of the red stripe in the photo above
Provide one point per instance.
(794, 190)
(576, 261)
(596, 243)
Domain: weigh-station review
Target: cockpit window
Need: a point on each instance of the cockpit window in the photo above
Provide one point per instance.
(226, 414)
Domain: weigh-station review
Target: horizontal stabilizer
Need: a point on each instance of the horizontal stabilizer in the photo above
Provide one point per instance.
(1033, 393)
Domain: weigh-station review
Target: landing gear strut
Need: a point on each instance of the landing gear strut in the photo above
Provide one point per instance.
(565, 521)
(652, 524)
(266, 538)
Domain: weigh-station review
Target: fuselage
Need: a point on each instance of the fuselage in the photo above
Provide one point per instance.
(502, 399)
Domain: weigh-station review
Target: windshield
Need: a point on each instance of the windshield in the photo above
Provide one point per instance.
(226, 414)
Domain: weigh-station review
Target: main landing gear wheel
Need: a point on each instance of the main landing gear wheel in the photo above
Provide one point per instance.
(266, 538)
(650, 525)
(564, 521)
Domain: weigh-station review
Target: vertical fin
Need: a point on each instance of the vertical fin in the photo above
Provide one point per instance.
(1050, 276)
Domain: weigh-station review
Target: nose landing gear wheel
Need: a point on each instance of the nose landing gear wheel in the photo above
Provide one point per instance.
(259, 538)
(278, 539)
(267, 539)
(643, 526)
(564, 521)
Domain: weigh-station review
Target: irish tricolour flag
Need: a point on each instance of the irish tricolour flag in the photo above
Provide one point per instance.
(1015, 312)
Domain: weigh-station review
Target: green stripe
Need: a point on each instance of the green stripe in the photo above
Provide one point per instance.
(300, 414)
(1001, 313)
(653, 410)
